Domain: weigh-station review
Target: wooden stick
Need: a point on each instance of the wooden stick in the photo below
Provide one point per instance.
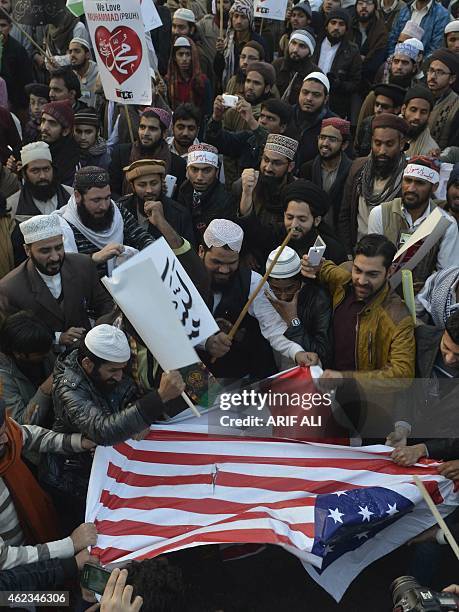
(129, 123)
(438, 517)
(244, 311)
(188, 401)
(221, 18)
(261, 24)
(29, 38)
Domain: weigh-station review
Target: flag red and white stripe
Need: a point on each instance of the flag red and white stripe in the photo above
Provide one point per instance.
(181, 487)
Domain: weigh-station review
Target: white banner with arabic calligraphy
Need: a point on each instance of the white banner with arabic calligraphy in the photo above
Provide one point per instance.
(118, 38)
(162, 303)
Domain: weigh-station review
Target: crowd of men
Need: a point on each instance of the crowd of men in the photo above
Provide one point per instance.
(339, 124)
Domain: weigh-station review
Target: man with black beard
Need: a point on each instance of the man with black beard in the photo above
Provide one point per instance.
(292, 69)
(370, 35)
(261, 211)
(63, 291)
(202, 194)
(340, 60)
(399, 218)
(40, 194)
(150, 144)
(374, 179)
(262, 329)
(452, 193)
(146, 178)
(93, 224)
(416, 109)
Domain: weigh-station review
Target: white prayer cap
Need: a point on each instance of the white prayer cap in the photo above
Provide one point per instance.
(182, 41)
(80, 41)
(453, 26)
(34, 151)
(288, 264)
(40, 227)
(184, 14)
(108, 343)
(221, 232)
(319, 76)
(417, 44)
(413, 30)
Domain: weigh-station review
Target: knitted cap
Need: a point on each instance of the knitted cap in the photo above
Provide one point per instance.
(453, 26)
(88, 116)
(319, 76)
(417, 44)
(222, 232)
(108, 343)
(306, 37)
(80, 41)
(202, 153)
(162, 114)
(35, 151)
(182, 41)
(61, 111)
(282, 144)
(91, 176)
(339, 13)
(387, 120)
(266, 70)
(40, 227)
(288, 264)
(185, 15)
(343, 126)
(407, 51)
(413, 30)
(305, 7)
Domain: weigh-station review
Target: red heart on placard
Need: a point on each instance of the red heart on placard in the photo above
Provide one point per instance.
(120, 51)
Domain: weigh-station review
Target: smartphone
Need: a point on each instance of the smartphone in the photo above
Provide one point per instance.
(94, 578)
(316, 252)
(229, 101)
(170, 184)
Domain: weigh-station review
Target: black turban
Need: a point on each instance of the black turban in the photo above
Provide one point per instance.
(306, 191)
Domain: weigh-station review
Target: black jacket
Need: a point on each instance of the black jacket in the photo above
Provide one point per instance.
(285, 74)
(431, 403)
(312, 171)
(16, 69)
(80, 407)
(66, 157)
(162, 38)
(345, 76)
(120, 159)
(308, 129)
(315, 313)
(244, 146)
(175, 214)
(40, 576)
(216, 203)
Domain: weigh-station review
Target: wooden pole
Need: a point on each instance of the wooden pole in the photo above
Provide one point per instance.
(244, 311)
(188, 401)
(438, 517)
(129, 123)
(221, 18)
(29, 38)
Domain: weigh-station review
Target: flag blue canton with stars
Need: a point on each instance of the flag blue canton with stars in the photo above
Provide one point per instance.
(344, 520)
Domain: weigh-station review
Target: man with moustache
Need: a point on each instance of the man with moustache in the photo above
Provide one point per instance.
(56, 130)
(300, 19)
(374, 179)
(146, 178)
(62, 290)
(308, 114)
(202, 194)
(329, 169)
(370, 35)
(372, 328)
(441, 77)
(340, 60)
(297, 63)
(260, 207)
(85, 68)
(185, 128)
(398, 219)
(416, 109)
(250, 353)
(94, 150)
(93, 224)
(150, 144)
(252, 52)
(41, 193)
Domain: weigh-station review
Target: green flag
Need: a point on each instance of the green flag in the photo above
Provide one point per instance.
(75, 7)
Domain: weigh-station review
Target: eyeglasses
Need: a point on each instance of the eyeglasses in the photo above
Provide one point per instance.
(438, 72)
(332, 139)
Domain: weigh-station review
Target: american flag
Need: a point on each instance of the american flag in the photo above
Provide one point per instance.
(336, 508)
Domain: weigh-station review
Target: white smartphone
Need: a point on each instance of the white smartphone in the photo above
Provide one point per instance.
(171, 181)
(316, 252)
(229, 100)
